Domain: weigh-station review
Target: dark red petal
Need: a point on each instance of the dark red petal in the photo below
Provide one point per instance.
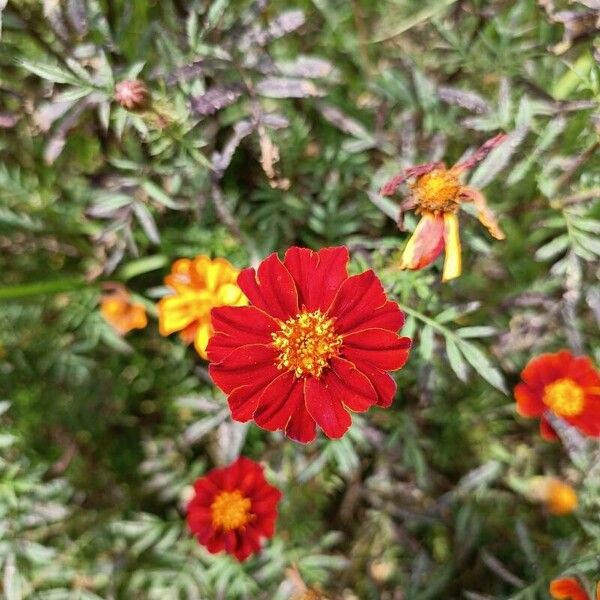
(384, 384)
(248, 365)
(326, 409)
(278, 401)
(379, 347)
(237, 326)
(361, 303)
(272, 289)
(318, 275)
(349, 385)
(301, 426)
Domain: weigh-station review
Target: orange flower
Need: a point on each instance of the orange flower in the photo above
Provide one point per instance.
(198, 285)
(567, 385)
(569, 588)
(436, 194)
(559, 498)
(118, 310)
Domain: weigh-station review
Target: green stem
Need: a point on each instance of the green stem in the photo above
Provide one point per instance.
(42, 288)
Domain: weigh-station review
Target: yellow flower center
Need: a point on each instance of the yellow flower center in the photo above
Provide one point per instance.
(306, 343)
(437, 191)
(564, 397)
(562, 498)
(230, 510)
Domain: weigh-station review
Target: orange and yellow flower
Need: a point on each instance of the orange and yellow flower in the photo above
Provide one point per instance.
(569, 588)
(119, 310)
(567, 385)
(436, 195)
(557, 496)
(198, 285)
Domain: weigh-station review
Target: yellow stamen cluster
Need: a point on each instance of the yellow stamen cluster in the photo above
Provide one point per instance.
(306, 343)
(230, 510)
(564, 397)
(437, 191)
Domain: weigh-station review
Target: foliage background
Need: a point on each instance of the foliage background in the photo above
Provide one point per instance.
(102, 436)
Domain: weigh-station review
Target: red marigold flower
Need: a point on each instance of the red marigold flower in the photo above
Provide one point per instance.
(569, 588)
(436, 194)
(567, 385)
(233, 509)
(313, 344)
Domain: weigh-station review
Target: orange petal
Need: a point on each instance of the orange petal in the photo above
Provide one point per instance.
(567, 588)
(425, 244)
(203, 334)
(484, 214)
(452, 262)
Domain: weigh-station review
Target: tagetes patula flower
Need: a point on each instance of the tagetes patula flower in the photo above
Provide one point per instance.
(569, 588)
(233, 509)
(198, 285)
(313, 344)
(436, 193)
(557, 496)
(120, 311)
(567, 385)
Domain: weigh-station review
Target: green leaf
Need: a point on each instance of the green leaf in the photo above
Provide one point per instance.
(456, 360)
(553, 248)
(52, 73)
(480, 362)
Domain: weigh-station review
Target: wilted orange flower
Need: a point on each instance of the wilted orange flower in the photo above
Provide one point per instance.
(567, 385)
(118, 309)
(198, 285)
(436, 195)
(569, 588)
(559, 497)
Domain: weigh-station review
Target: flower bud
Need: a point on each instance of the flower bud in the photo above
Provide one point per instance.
(558, 497)
(132, 94)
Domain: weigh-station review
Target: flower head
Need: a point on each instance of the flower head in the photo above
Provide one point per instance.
(233, 509)
(132, 94)
(198, 286)
(569, 588)
(313, 344)
(119, 310)
(567, 385)
(559, 497)
(436, 194)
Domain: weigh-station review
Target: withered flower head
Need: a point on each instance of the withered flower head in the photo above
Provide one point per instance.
(132, 94)
(436, 194)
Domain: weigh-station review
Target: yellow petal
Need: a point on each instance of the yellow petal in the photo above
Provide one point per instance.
(203, 334)
(176, 312)
(452, 261)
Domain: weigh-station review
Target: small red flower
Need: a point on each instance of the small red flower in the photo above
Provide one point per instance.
(568, 588)
(567, 385)
(314, 344)
(234, 509)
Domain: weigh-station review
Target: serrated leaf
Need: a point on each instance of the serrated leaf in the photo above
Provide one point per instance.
(52, 73)
(426, 342)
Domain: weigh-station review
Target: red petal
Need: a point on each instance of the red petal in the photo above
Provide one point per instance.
(318, 275)
(278, 401)
(567, 588)
(272, 289)
(383, 383)
(349, 385)
(248, 365)
(425, 244)
(301, 426)
(361, 303)
(529, 403)
(379, 347)
(237, 326)
(326, 409)
(547, 431)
